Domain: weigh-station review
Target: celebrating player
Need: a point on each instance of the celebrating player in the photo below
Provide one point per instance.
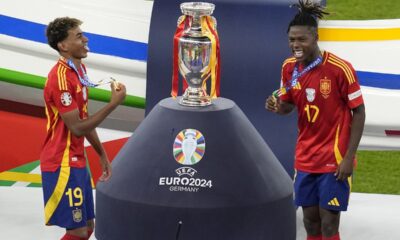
(325, 90)
(67, 187)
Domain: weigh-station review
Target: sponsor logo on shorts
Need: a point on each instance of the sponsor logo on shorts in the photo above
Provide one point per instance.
(334, 202)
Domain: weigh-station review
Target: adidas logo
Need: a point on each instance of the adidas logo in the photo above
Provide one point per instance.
(297, 86)
(334, 202)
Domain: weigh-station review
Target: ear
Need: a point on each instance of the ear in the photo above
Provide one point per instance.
(62, 47)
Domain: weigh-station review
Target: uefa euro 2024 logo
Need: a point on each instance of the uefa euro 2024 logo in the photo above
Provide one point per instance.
(189, 147)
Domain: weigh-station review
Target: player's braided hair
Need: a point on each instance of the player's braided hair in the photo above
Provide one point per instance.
(57, 30)
(309, 13)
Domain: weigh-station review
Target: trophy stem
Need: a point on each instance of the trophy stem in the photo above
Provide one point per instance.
(196, 24)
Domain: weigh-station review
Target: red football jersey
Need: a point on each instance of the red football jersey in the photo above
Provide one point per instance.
(324, 97)
(63, 92)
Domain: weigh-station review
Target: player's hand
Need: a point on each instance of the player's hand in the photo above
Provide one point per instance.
(107, 170)
(272, 104)
(344, 170)
(118, 92)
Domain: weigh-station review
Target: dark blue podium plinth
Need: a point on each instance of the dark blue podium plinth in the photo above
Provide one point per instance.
(196, 174)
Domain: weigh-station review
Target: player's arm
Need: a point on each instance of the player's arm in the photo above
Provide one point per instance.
(94, 140)
(280, 104)
(345, 168)
(81, 127)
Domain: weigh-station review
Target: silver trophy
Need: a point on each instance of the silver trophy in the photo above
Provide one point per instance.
(194, 54)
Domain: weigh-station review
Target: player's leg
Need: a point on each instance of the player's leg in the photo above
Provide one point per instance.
(330, 224)
(334, 198)
(89, 203)
(86, 232)
(75, 234)
(82, 233)
(90, 228)
(306, 196)
(87, 206)
(312, 222)
(63, 199)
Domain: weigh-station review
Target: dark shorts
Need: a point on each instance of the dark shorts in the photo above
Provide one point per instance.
(68, 197)
(321, 189)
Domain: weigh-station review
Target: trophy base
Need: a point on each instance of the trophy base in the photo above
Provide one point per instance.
(195, 102)
(194, 97)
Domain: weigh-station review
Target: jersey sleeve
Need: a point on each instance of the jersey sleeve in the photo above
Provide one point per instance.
(63, 94)
(285, 77)
(351, 90)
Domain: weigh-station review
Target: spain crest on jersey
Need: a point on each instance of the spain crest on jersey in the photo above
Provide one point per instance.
(325, 87)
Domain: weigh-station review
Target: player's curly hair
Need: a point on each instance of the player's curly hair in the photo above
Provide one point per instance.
(309, 13)
(57, 30)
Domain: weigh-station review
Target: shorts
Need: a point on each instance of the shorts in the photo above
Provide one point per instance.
(321, 189)
(68, 197)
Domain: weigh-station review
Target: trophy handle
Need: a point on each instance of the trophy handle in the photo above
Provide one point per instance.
(180, 19)
(215, 22)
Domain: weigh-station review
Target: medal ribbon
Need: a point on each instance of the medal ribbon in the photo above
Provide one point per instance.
(184, 21)
(208, 29)
(85, 80)
(296, 75)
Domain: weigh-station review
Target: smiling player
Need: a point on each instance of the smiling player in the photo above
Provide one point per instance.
(67, 187)
(325, 90)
